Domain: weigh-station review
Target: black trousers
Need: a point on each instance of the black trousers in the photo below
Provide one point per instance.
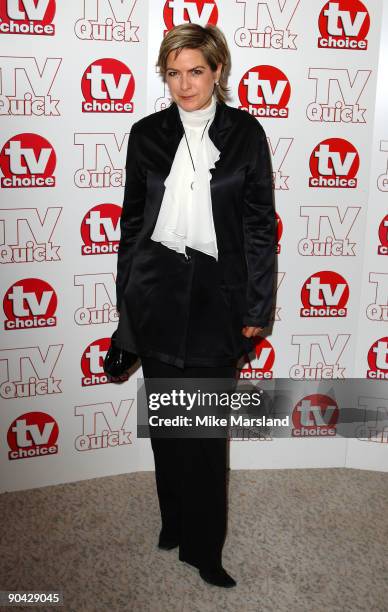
(191, 479)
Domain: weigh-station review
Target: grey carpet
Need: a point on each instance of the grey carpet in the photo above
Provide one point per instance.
(299, 540)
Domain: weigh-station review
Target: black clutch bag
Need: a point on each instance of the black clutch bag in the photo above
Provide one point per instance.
(117, 360)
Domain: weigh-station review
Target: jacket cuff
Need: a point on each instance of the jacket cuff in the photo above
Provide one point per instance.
(254, 322)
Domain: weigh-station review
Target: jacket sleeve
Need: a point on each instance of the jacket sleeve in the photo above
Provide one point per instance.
(259, 224)
(132, 213)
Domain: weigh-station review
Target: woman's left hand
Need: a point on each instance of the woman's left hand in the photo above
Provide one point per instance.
(250, 332)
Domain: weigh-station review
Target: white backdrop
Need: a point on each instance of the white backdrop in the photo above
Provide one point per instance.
(74, 77)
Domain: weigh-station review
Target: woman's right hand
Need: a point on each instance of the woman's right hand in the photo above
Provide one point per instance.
(251, 332)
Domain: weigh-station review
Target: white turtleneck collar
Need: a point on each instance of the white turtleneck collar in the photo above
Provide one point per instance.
(198, 118)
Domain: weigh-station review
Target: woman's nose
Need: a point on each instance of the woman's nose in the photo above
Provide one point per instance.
(185, 83)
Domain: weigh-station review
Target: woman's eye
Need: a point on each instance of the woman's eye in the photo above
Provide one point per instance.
(197, 71)
(171, 74)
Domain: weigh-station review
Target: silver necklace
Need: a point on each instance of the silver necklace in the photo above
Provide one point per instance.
(191, 157)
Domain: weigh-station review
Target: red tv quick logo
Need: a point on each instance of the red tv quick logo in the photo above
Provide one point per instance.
(279, 154)
(319, 356)
(264, 91)
(103, 425)
(103, 161)
(176, 12)
(27, 372)
(262, 363)
(107, 20)
(100, 230)
(344, 25)
(26, 86)
(32, 434)
(25, 235)
(328, 231)
(107, 87)
(30, 303)
(382, 181)
(378, 359)
(337, 95)
(378, 310)
(27, 160)
(92, 363)
(382, 248)
(27, 17)
(279, 232)
(98, 299)
(324, 294)
(266, 24)
(315, 415)
(334, 163)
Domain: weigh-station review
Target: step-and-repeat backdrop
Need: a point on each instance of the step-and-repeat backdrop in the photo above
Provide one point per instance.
(74, 77)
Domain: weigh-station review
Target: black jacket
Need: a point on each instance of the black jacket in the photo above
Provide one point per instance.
(191, 312)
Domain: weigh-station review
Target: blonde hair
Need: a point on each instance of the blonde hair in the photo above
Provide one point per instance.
(210, 40)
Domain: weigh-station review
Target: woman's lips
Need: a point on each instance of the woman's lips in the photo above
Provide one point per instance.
(187, 97)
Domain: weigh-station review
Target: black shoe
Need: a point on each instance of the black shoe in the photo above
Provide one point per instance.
(166, 543)
(218, 577)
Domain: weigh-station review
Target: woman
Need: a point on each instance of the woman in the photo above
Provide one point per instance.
(195, 268)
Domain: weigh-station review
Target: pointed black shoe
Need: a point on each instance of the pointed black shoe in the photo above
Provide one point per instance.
(166, 543)
(218, 577)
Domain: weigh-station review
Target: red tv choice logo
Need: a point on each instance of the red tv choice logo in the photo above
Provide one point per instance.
(27, 160)
(344, 24)
(315, 415)
(27, 17)
(279, 232)
(324, 294)
(32, 434)
(92, 362)
(262, 363)
(378, 359)
(382, 248)
(334, 163)
(107, 87)
(264, 91)
(176, 12)
(100, 230)
(30, 303)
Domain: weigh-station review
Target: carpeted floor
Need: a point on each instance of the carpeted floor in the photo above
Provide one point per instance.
(299, 541)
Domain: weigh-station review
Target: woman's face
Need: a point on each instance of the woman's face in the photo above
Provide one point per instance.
(190, 79)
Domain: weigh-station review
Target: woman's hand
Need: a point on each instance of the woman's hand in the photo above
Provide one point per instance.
(250, 332)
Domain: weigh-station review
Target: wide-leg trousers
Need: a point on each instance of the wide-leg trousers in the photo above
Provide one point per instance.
(191, 479)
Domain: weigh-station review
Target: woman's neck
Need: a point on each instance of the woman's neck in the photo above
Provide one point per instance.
(199, 117)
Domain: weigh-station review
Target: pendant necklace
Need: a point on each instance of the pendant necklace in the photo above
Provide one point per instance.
(191, 157)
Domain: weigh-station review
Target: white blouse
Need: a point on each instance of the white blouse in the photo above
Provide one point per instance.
(186, 215)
